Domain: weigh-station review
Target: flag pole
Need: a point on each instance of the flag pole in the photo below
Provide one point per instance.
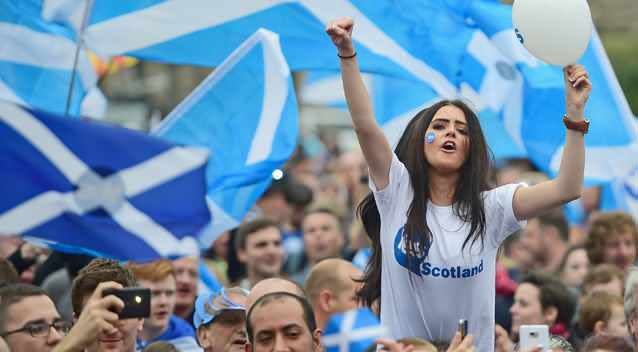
(78, 46)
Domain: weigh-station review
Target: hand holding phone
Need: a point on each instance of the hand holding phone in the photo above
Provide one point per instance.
(531, 336)
(463, 328)
(137, 301)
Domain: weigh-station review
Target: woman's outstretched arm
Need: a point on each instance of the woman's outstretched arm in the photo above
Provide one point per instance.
(374, 145)
(568, 184)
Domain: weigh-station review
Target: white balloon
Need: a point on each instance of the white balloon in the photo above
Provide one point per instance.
(555, 31)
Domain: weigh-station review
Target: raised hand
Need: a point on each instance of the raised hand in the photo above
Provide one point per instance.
(340, 32)
(98, 316)
(461, 345)
(577, 89)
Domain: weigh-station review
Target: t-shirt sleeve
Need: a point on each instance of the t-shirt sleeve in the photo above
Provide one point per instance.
(499, 208)
(398, 179)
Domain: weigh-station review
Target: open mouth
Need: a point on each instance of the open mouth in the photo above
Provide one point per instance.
(449, 147)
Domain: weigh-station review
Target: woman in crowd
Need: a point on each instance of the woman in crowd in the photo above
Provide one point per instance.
(435, 224)
(573, 267)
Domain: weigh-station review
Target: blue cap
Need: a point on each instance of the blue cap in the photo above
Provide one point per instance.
(208, 306)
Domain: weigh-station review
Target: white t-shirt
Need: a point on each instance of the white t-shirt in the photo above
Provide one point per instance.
(445, 285)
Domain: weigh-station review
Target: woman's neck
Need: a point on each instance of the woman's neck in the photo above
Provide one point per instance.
(442, 188)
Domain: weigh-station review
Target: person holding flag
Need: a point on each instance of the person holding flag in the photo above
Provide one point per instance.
(434, 222)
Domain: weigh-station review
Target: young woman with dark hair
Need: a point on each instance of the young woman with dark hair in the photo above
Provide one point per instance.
(434, 223)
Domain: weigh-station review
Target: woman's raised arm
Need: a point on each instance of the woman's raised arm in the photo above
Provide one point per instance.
(568, 184)
(374, 145)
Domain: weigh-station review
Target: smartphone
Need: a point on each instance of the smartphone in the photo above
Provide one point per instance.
(137, 301)
(534, 335)
(463, 327)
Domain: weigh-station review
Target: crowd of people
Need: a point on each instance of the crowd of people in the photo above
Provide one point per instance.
(442, 236)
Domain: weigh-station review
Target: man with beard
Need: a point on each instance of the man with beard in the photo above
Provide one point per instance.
(259, 248)
(282, 321)
(220, 320)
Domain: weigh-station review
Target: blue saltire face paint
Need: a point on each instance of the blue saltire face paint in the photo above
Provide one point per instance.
(429, 137)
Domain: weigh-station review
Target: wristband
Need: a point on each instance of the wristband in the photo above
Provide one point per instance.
(347, 57)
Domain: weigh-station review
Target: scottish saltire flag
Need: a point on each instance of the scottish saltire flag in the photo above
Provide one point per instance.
(538, 90)
(36, 59)
(245, 113)
(352, 331)
(520, 100)
(176, 30)
(98, 189)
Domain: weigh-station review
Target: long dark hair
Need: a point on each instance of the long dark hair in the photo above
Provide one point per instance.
(468, 203)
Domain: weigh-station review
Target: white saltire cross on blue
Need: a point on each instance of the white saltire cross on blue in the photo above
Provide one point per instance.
(102, 189)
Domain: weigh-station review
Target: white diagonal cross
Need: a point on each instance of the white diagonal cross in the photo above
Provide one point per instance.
(346, 334)
(95, 191)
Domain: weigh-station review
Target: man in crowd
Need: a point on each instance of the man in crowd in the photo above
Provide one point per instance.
(99, 274)
(322, 238)
(273, 284)
(547, 238)
(613, 239)
(29, 321)
(282, 321)
(163, 325)
(220, 319)
(186, 281)
(331, 289)
(259, 248)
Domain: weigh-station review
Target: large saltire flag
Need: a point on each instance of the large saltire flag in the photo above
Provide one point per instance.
(537, 90)
(245, 113)
(520, 100)
(177, 32)
(36, 60)
(99, 189)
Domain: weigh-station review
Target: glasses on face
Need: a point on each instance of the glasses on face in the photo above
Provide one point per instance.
(41, 329)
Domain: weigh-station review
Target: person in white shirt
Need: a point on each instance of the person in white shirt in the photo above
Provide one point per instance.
(434, 223)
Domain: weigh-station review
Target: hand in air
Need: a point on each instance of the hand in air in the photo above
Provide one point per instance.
(340, 32)
(577, 88)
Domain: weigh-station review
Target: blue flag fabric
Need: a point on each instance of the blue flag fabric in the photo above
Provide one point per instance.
(179, 28)
(207, 280)
(352, 331)
(520, 100)
(99, 189)
(613, 136)
(245, 113)
(36, 61)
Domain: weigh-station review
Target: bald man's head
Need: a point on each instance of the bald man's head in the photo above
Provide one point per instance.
(273, 284)
(335, 275)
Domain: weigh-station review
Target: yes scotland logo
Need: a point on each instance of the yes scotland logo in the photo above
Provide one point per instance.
(401, 255)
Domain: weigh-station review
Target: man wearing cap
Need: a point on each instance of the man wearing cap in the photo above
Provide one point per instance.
(220, 320)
